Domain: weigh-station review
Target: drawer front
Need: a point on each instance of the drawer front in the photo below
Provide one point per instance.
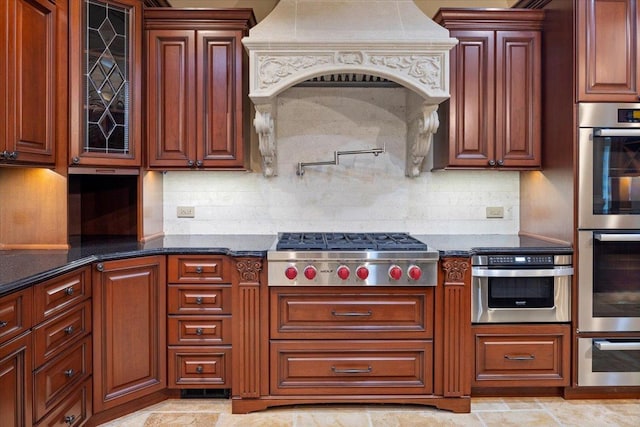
(74, 409)
(15, 314)
(199, 367)
(199, 269)
(58, 332)
(199, 330)
(341, 313)
(56, 295)
(522, 359)
(58, 376)
(199, 299)
(354, 367)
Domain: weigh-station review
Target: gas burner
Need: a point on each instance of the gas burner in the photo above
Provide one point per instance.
(349, 242)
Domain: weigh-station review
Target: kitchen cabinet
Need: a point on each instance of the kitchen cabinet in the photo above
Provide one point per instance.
(196, 88)
(29, 42)
(493, 117)
(522, 355)
(16, 387)
(129, 323)
(199, 321)
(608, 59)
(106, 83)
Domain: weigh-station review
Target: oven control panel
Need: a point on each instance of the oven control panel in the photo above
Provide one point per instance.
(533, 260)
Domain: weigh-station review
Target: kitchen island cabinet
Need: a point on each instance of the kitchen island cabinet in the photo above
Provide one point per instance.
(492, 119)
(608, 59)
(129, 320)
(197, 90)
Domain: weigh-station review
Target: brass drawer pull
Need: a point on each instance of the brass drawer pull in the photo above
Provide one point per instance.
(69, 419)
(69, 373)
(3, 323)
(199, 369)
(199, 269)
(529, 357)
(199, 331)
(352, 371)
(68, 330)
(199, 300)
(69, 291)
(351, 313)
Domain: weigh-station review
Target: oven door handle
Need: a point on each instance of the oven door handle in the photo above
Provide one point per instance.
(538, 272)
(615, 346)
(617, 237)
(616, 132)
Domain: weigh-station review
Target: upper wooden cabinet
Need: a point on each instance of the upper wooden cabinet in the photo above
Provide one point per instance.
(28, 80)
(492, 119)
(608, 50)
(196, 88)
(106, 83)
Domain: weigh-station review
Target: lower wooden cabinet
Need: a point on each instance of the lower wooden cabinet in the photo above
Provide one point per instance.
(15, 382)
(522, 355)
(129, 322)
(74, 409)
(200, 367)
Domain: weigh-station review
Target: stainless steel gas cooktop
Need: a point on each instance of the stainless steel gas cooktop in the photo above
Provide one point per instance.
(351, 259)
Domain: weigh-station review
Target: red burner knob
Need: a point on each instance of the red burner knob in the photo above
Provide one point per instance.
(291, 273)
(310, 272)
(343, 272)
(395, 272)
(415, 272)
(362, 272)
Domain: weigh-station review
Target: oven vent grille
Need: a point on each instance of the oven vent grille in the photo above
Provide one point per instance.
(348, 80)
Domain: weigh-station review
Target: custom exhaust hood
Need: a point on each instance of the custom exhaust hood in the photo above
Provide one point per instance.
(358, 41)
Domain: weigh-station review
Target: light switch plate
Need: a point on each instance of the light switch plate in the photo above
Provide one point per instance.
(495, 212)
(186, 212)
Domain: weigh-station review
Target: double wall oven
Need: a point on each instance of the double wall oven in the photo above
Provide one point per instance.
(609, 245)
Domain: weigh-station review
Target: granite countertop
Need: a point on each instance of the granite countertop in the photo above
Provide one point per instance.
(23, 268)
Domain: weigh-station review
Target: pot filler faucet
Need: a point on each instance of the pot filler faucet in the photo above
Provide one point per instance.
(336, 158)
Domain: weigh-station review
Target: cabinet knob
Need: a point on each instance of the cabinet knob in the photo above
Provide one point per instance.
(13, 155)
(4, 155)
(69, 373)
(69, 419)
(3, 323)
(75, 160)
(190, 163)
(100, 267)
(199, 269)
(199, 331)
(69, 291)
(199, 163)
(500, 162)
(199, 300)
(199, 369)
(492, 162)
(68, 330)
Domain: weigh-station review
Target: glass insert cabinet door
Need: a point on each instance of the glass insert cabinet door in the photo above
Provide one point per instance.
(106, 40)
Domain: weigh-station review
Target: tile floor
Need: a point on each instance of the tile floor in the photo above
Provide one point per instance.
(485, 412)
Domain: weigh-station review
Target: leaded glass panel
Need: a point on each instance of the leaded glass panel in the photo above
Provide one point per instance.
(107, 87)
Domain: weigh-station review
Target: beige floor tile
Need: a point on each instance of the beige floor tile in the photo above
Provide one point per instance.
(529, 418)
(332, 419)
(421, 419)
(586, 413)
(179, 419)
(488, 404)
(257, 419)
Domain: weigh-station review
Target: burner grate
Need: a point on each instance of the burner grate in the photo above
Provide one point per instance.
(349, 242)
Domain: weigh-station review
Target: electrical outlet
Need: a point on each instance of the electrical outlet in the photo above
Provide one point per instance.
(186, 212)
(495, 212)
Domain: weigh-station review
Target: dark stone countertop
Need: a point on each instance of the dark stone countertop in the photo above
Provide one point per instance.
(23, 268)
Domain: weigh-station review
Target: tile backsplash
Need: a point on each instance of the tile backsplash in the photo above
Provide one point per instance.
(362, 193)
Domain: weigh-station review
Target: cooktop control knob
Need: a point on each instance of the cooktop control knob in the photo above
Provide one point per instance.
(414, 272)
(291, 272)
(395, 272)
(362, 272)
(310, 272)
(343, 272)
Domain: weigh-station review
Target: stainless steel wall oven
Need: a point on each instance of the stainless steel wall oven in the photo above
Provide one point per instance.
(521, 288)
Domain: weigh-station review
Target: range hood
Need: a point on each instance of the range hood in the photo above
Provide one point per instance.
(392, 40)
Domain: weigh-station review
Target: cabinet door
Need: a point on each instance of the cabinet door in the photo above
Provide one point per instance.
(171, 94)
(106, 83)
(129, 340)
(219, 97)
(27, 83)
(518, 108)
(608, 58)
(15, 382)
(471, 119)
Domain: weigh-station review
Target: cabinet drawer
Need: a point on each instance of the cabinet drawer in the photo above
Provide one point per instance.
(56, 333)
(199, 269)
(352, 367)
(56, 295)
(535, 355)
(60, 375)
(74, 409)
(349, 313)
(199, 330)
(15, 314)
(199, 299)
(200, 367)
